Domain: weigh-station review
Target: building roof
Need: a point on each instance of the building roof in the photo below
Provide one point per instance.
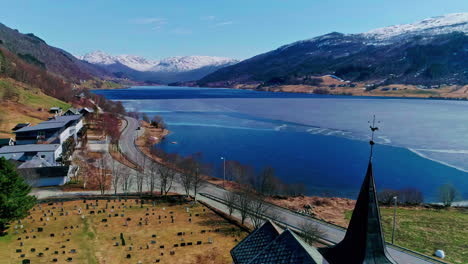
(270, 244)
(364, 241)
(29, 148)
(255, 242)
(73, 111)
(288, 248)
(55, 108)
(20, 125)
(35, 162)
(54, 123)
(86, 109)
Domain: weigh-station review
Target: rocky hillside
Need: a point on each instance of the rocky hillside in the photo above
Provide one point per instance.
(167, 70)
(36, 51)
(429, 52)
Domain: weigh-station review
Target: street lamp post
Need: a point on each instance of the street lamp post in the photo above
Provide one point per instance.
(224, 171)
(394, 218)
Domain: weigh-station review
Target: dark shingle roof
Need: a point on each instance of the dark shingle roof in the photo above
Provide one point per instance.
(254, 243)
(288, 249)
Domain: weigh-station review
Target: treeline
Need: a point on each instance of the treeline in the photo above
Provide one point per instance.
(408, 196)
(13, 67)
(263, 182)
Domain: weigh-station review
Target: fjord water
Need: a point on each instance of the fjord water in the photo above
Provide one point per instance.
(315, 139)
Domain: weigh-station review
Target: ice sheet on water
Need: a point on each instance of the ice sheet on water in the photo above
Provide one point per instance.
(409, 123)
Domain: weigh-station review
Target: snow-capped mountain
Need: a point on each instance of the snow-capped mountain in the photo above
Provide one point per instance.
(172, 69)
(134, 62)
(171, 64)
(430, 51)
(189, 63)
(427, 27)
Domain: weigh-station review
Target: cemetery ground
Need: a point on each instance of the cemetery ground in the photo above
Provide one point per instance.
(125, 231)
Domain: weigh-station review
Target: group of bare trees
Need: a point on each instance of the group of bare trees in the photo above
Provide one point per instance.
(408, 196)
(265, 182)
(249, 205)
(149, 174)
(191, 177)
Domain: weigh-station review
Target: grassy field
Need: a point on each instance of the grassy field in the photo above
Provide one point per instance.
(148, 232)
(426, 230)
(26, 105)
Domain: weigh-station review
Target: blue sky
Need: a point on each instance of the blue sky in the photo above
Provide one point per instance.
(238, 28)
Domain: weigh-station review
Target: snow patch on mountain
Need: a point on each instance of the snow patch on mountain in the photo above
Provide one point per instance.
(171, 64)
(430, 26)
(188, 63)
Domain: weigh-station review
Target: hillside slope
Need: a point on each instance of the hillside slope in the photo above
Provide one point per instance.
(21, 103)
(429, 52)
(34, 50)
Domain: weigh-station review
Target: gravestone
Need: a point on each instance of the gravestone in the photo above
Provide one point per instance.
(26, 261)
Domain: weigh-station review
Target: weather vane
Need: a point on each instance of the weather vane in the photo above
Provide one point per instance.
(373, 128)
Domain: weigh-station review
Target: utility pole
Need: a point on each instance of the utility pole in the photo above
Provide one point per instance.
(394, 218)
(224, 171)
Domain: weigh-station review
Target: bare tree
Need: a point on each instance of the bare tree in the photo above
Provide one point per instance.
(257, 210)
(119, 173)
(101, 177)
(231, 201)
(189, 168)
(265, 182)
(447, 194)
(310, 232)
(166, 178)
(141, 174)
(115, 175)
(243, 201)
(152, 176)
(126, 182)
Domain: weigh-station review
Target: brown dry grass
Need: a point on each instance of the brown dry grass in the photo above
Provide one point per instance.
(331, 210)
(94, 240)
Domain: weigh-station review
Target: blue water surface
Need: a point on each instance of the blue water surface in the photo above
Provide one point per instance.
(320, 141)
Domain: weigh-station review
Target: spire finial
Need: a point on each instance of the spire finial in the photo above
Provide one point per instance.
(373, 128)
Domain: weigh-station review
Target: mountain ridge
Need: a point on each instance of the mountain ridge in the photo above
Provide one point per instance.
(430, 51)
(171, 69)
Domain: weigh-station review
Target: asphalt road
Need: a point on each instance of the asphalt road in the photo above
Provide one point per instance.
(293, 219)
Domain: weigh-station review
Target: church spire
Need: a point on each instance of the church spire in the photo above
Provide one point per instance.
(364, 241)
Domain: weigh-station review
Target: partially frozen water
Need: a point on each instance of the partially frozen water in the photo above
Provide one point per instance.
(318, 140)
